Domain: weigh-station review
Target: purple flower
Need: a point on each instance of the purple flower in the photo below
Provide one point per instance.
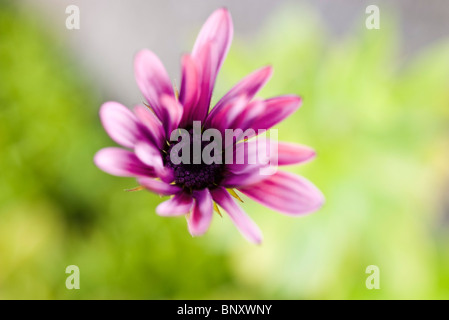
(197, 188)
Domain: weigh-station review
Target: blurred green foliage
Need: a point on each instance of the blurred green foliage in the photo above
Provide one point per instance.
(379, 125)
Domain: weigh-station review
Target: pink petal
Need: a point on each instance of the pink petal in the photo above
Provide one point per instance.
(260, 151)
(152, 124)
(238, 115)
(120, 124)
(292, 153)
(264, 114)
(250, 115)
(217, 29)
(226, 117)
(276, 110)
(180, 204)
(245, 163)
(209, 52)
(254, 161)
(206, 60)
(174, 113)
(258, 114)
(153, 81)
(120, 162)
(190, 89)
(201, 216)
(243, 223)
(248, 177)
(158, 186)
(151, 156)
(287, 193)
(248, 86)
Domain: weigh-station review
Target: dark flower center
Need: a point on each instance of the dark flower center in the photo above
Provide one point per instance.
(193, 175)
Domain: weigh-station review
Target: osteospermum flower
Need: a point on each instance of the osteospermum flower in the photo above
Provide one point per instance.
(197, 188)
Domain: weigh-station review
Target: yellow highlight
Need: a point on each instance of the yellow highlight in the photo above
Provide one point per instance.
(217, 210)
(235, 195)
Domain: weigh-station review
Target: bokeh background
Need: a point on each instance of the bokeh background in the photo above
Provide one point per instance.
(376, 109)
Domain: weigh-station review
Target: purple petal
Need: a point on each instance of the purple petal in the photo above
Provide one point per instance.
(158, 186)
(276, 110)
(201, 216)
(228, 115)
(245, 163)
(248, 86)
(258, 114)
(248, 155)
(219, 30)
(238, 115)
(190, 88)
(248, 118)
(206, 60)
(209, 52)
(180, 204)
(287, 193)
(243, 223)
(153, 126)
(292, 153)
(120, 124)
(255, 162)
(151, 156)
(153, 81)
(260, 152)
(264, 114)
(174, 113)
(120, 162)
(249, 177)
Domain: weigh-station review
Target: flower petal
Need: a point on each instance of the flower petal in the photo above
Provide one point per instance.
(261, 152)
(287, 193)
(248, 118)
(120, 162)
(240, 219)
(209, 52)
(248, 86)
(218, 29)
(174, 113)
(206, 60)
(292, 153)
(227, 115)
(239, 116)
(276, 110)
(180, 204)
(201, 216)
(249, 177)
(120, 124)
(152, 124)
(190, 89)
(153, 81)
(251, 161)
(158, 186)
(151, 156)
(261, 115)
(249, 157)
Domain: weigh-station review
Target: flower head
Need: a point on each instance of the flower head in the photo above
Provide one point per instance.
(170, 151)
